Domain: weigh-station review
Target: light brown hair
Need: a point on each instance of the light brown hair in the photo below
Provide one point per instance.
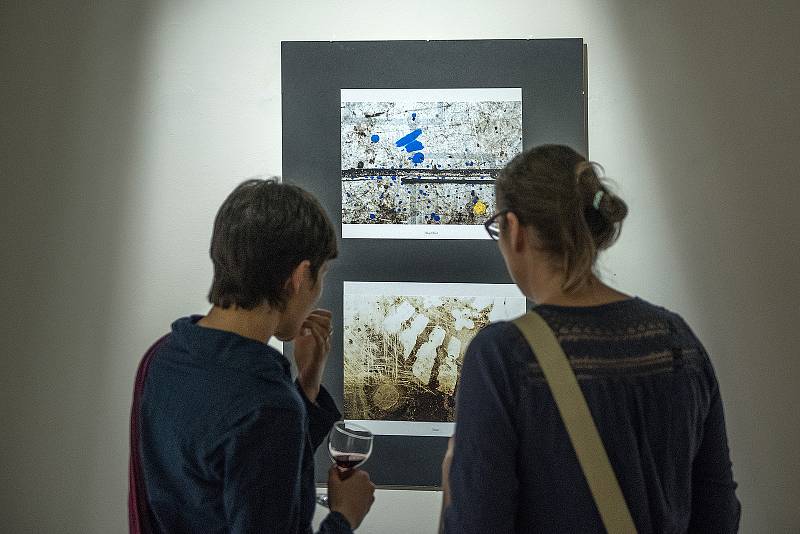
(556, 191)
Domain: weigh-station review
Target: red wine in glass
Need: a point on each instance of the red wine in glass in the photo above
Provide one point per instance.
(346, 461)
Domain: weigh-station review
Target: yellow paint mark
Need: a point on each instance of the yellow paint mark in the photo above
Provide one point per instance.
(479, 208)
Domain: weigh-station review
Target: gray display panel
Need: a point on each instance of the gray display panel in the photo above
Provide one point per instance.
(550, 73)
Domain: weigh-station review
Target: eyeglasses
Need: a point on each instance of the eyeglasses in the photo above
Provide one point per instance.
(493, 224)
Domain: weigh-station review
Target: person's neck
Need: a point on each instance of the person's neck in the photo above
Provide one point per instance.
(548, 290)
(259, 323)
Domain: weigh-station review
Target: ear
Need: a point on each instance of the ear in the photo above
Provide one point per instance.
(298, 276)
(516, 232)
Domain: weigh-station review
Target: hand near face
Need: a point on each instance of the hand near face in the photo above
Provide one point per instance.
(311, 349)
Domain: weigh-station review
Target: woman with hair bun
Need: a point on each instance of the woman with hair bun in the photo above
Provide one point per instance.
(648, 381)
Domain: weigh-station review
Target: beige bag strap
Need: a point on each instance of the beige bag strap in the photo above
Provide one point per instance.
(579, 423)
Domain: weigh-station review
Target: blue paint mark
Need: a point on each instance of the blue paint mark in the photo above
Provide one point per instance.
(414, 146)
(394, 178)
(403, 141)
(413, 116)
(435, 217)
(417, 158)
(375, 138)
(474, 200)
(371, 215)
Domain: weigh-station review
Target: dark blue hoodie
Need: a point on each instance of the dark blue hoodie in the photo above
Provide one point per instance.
(227, 438)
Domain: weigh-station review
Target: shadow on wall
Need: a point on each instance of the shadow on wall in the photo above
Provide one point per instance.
(70, 74)
(719, 109)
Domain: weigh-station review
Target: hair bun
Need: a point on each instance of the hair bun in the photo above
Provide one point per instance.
(612, 208)
(595, 192)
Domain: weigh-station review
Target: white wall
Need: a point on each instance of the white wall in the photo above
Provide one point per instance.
(124, 125)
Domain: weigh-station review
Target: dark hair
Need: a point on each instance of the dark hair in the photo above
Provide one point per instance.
(262, 232)
(554, 189)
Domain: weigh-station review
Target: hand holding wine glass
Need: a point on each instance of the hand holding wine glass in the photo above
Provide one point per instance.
(352, 496)
(350, 491)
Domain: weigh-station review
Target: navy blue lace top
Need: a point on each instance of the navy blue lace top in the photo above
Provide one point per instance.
(653, 394)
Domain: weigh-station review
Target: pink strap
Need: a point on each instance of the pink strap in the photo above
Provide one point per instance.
(138, 510)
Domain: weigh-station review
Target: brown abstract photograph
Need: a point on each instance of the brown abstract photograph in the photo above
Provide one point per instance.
(404, 345)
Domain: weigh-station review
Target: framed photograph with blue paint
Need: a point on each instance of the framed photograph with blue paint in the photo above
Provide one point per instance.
(421, 163)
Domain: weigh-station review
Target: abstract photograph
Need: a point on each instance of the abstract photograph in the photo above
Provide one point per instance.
(404, 346)
(422, 163)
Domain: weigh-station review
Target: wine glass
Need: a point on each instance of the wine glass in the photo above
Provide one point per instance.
(349, 446)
